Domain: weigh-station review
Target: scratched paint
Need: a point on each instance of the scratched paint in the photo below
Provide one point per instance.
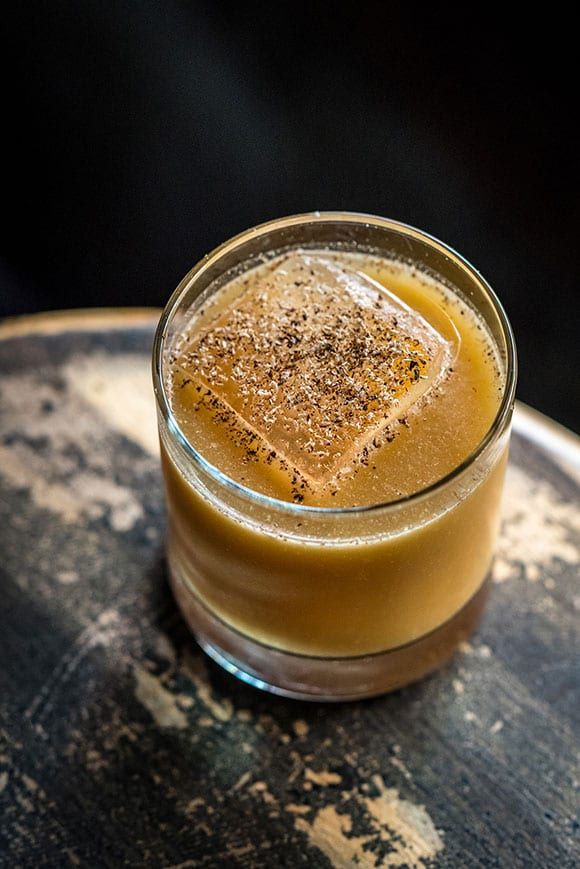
(120, 390)
(194, 668)
(160, 702)
(322, 779)
(538, 529)
(40, 429)
(99, 633)
(180, 766)
(401, 833)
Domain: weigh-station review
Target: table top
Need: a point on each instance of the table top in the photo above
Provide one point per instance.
(121, 744)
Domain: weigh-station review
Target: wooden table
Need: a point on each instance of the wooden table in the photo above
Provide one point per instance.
(122, 745)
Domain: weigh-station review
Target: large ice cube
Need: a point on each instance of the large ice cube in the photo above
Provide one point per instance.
(318, 360)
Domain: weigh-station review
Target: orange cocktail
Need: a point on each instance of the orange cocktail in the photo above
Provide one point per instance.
(335, 394)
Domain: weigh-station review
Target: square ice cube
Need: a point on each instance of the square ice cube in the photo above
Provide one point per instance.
(317, 360)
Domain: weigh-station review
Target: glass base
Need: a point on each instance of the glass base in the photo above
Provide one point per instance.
(303, 677)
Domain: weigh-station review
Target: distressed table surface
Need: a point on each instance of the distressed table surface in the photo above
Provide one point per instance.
(122, 745)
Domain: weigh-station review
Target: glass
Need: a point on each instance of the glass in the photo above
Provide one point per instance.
(323, 603)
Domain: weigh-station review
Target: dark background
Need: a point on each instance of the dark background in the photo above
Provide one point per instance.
(139, 135)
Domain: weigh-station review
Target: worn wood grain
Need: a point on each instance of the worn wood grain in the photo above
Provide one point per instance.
(122, 745)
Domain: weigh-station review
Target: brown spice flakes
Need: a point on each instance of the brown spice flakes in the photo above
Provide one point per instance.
(312, 365)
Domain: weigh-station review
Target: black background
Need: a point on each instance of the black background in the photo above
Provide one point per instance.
(139, 135)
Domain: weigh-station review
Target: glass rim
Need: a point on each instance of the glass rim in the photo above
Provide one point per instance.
(210, 259)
